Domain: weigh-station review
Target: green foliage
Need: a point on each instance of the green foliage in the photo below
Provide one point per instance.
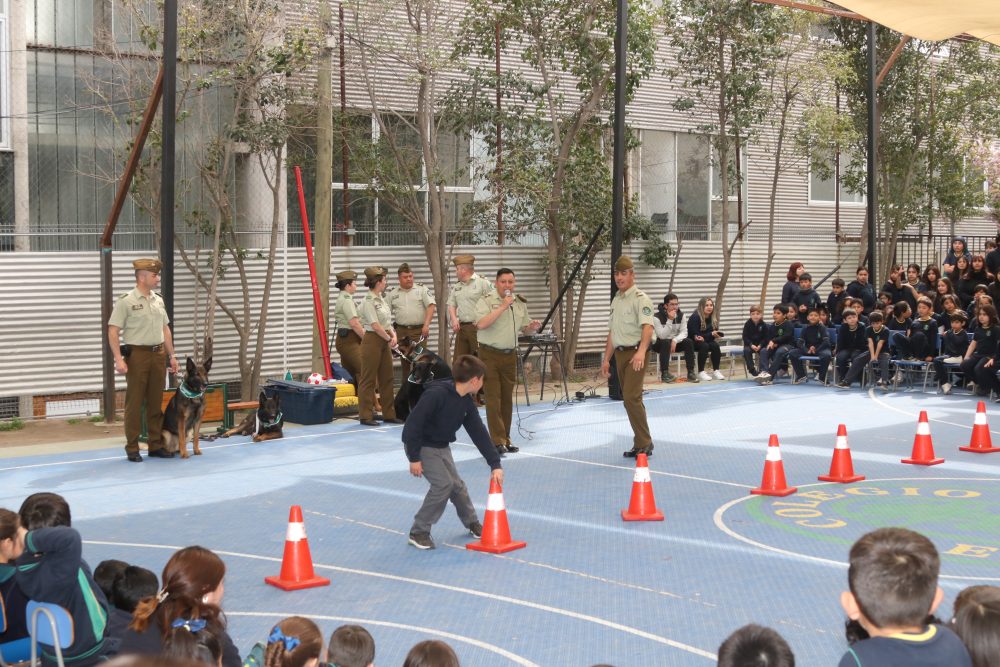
(13, 424)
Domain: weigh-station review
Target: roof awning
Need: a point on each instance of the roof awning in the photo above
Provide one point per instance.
(933, 20)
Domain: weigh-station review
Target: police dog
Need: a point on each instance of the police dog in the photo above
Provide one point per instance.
(182, 418)
(425, 366)
(265, 424)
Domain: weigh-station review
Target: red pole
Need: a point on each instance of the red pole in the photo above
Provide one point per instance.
(318, 306)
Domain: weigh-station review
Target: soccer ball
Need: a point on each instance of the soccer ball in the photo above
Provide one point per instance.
(315, 378)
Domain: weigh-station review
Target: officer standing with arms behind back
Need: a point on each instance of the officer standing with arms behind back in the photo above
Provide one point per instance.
(501, 316)
(348, 326)
(412, 306)
(631, 329)
(141, 317)
(376, 358)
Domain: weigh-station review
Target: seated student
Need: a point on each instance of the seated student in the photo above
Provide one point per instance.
(703, 329)
(978, 366)
(52, 570)
(293, 642)
(670, 325)
(11, 597)
(134, 584)
(913, 279)
(824, 316)
(877, 342)
(885, 304)
(814, 342)
(949, 306)
(351, 646)
(792, 314)
(899, 289)
(805, 299)
(755, 646)
(898, 325)
(835, 301)
(192, 589)
(861, 289)
(852, 346)
(954, 345)
(44, 510)
(855, 304)
(922, 342)
(893, 581)
(106, 573)
(431, 653)
(191, 640)
(755, 332)
(976, 621)
(780, 343)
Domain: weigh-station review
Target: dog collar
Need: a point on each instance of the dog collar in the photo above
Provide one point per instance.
(187, 393)
(412, 380)
(277, 419)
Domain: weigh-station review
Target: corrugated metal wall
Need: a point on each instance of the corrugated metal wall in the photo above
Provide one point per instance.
(50, 325)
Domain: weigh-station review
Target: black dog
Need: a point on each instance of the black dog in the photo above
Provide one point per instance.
(182, 418)
(425, 366)
(265, 424)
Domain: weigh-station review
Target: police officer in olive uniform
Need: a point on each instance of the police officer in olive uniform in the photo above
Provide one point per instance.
(462, 301)
(412, 306)
(141, 318)
(631, 329)
(376, 358)
(348, 326)
(501, 316)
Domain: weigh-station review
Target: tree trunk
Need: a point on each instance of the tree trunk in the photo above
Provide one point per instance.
(782, 124)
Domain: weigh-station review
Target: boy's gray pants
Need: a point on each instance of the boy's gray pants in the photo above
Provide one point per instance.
(440, 472)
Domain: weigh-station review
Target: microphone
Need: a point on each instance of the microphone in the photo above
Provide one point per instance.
(507, 293)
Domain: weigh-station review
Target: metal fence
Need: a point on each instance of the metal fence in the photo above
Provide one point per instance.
(919, 249)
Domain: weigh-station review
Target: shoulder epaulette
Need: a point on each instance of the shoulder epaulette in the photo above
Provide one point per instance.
(521, 299)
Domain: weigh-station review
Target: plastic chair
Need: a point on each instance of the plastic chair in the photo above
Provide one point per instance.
(56, 632)
(906, 367)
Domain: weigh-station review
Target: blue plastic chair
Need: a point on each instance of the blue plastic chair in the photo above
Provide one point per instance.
(56, 630)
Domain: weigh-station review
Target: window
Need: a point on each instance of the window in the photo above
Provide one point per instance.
(822, 186)
(680, 188)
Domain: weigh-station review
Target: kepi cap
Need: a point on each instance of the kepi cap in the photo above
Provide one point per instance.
(153, 265)
(404, 268)
(374, 271)
(346, 275)
(624, 264)
(464, 259)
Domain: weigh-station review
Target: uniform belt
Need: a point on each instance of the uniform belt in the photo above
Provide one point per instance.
(621, 348)
(412, 326)
(497, 349)
(147, 348)
(468, 324)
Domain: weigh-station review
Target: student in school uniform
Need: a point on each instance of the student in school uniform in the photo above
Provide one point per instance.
(852, 346)
(835, 300)
(979, 365)
(805, 298)
(755, 337)
(954, 344)
(921, 344)
(781, 341)
(878, 350)
(898, 325)
(814, 342)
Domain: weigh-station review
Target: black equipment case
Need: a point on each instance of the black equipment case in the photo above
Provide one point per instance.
(303, 403)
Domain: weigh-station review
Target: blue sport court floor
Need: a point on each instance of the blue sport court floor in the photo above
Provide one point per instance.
(588, 588)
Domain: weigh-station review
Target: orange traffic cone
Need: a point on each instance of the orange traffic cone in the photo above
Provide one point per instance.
(923, 447)
(642, 504)
(842, 467)
(981, 443)
(496, 532)
(296, 565)
(773, 482)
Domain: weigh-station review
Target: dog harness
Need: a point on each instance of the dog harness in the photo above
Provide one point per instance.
(187, 393)
(263, 425)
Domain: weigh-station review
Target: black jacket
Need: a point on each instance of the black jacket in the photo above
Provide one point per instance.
(864, 292)
(855, 341)
(782, 334)
(808, 298)
(150, 642)
(814, 335)
(436, 418)
(755, 333)
(955, 344)
(694, 328)
(833, 306)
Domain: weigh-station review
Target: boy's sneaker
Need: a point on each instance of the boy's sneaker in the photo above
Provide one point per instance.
(882, 385)
(424, 541)
(843, 385)
(666, 377)
(781, 373)
(766, 381)
(946, 388)
(705, 377)
(971, 386)
(476, 529)
(717, 375)
(801, 380)
(763, 377)
(692, 377)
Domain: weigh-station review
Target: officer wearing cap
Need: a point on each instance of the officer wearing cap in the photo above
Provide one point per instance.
(412, 306)
(376, 359)
(141, 319)
(462, 301)
(631, 329)
(501, 316)
(348, 325)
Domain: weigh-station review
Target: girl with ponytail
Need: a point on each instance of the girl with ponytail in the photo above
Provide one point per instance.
(293, 642)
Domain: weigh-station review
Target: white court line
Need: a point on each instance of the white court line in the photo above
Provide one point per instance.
(717, 519)
(544, 566)
(874, 397)
(587, 618)
(492, 648)
(617, 467)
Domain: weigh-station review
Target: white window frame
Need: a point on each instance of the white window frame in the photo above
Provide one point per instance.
(5, 125)
(822, 203)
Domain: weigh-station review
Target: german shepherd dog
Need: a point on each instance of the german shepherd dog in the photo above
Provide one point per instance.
(265, 424)
(425, 366)
(182, 418)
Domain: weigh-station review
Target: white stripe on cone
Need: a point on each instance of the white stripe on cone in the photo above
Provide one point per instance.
(773, 454)
(923, 428)
(980, 419)
(296, 532)
(841, 442)
(494, 503)
(641, 474)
